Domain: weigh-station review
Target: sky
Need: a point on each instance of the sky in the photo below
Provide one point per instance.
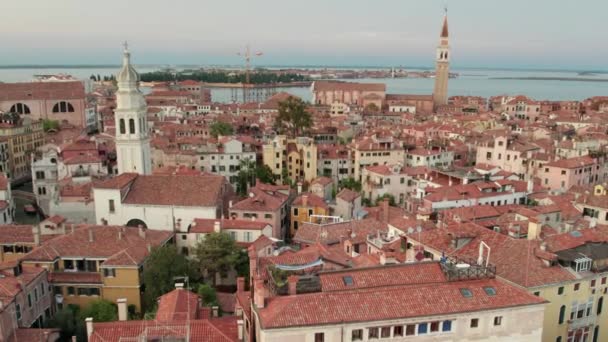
(546, 34)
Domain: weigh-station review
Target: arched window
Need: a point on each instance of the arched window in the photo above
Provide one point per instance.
(596, 333)
(446, 55)
(131, 126)
(20, 108)
(122, 126)
(562, 313)
(600, 303)
(63, 107)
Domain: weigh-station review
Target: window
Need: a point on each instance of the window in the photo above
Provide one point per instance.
(577, 286)
(121, 123)
(295, 211)
(410, 329)
(537, 293)
(447, 326)
(562, 314)
(434, 327)
(423, 328)
(385, 332)
(63, 107)
(560, 290)
(18, 311)
(109, 272)
(20, 108)
(490, 291)
(348, 280)
(600, 303)
(35, 295)
(466, 293)
(497, 320)
(42, 289)
(131, 126)
(372, 333)
(39, 174)
(71, 291)
(111, 206)
(558, 339)
(592, 283)
(474, 322)
(357, 335)
(267, 216)
(398, 331)
(29, 300)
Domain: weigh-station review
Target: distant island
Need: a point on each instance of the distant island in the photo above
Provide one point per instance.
(569, 79)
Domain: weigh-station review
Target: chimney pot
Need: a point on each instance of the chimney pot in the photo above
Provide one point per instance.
(122, 309)
(215, 311)
(240, 332)
(292, 281)
(217, 226)
(91, 238)
(89, 325)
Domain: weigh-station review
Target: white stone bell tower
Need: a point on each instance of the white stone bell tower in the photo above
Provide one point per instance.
(132, 138)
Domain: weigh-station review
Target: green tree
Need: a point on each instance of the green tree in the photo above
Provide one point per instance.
(221, 128)
(216, 254)
(293, 117)
(265, 175)
(241, 265)
(68, 323)
(208, 294)
(246, 176)
(372, 108)
(391, 199)
(49, 124)
(350, 183)
(161, 268)
(101, 310)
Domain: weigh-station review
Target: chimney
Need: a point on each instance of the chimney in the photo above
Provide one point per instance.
(89, 325)
(142, 231)
(73, 228)
(299, 187)
(534, 229)
(217, 227)
(259, 293)
(292, 281)
(304, 200)
(91, 239)
(230, 204)
(36, 231)
(149, 248)
(215, 311)
(385, 210)
(122, 309)
(179, 286)
(240, 284)
(119, 234)
(239, 324)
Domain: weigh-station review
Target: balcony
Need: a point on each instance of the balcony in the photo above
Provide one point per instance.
(577, 323)
(466, 269)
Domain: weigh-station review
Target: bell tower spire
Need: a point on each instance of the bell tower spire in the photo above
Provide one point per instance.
(132, 137)
(442, 65)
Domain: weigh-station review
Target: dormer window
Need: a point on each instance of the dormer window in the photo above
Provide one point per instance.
(582, 264)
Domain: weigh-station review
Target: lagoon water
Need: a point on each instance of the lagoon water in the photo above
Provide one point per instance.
(483, 82)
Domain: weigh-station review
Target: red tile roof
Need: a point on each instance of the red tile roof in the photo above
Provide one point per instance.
(197, 330)
(75, 278)
(347, 86)
(205, 226)
(177, 305)
(331, 233)
(176, 190)
(347, 195)
(391, 302)
(41, 91)
(121, 246)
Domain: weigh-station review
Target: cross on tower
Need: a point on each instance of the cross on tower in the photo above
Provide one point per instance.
(126, 45)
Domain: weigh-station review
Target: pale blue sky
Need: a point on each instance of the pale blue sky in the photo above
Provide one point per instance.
(487, 33)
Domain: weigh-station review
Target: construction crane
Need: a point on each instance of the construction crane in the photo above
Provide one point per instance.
(247, 56)
(250, 92)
